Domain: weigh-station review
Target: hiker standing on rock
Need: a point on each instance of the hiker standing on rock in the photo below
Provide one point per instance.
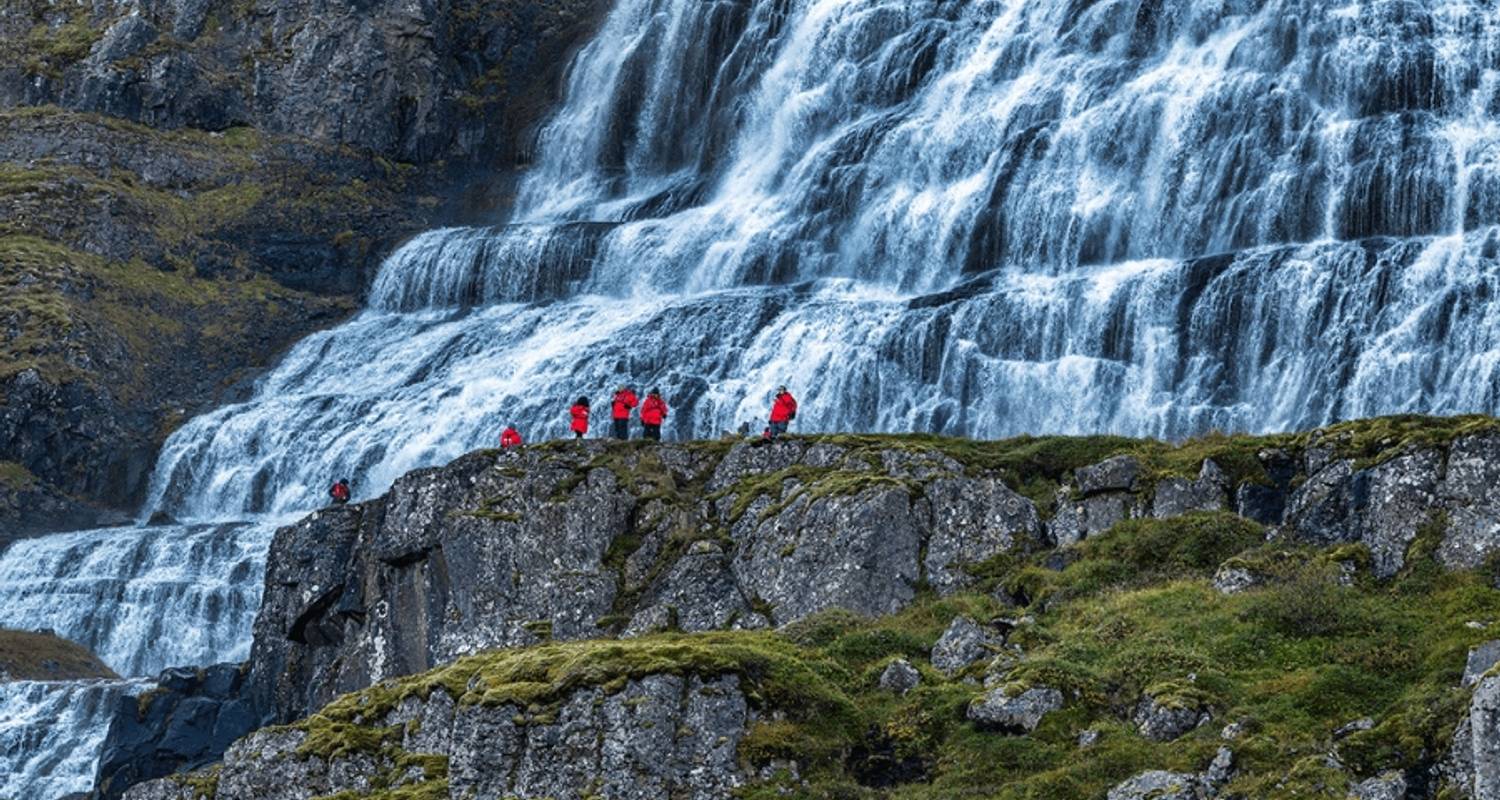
(653, 412)
(580, 413)
(783, 411)
(340, 492)
(625, 402)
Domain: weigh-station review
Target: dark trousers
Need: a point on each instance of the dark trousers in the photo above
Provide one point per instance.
(777, 429)
(653, 432)
(622, 429)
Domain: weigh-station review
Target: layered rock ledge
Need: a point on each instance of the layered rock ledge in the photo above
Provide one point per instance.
(661, 548)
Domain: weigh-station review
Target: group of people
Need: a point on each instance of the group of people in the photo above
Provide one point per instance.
(653, 413)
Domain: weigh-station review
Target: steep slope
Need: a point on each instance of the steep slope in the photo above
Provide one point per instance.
(1293, 616)
(189, 188)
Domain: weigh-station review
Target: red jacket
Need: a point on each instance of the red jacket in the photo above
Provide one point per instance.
(654, 411)
(785, 408)
(510, 438)
(580, 418)
(339, 492)
(624, 402)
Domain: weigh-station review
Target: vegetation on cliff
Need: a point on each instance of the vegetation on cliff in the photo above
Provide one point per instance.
(30, 656)
(1277, 669)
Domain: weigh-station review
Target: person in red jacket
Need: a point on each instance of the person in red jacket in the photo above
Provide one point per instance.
(653, 412)
(580, 412)
(510, 437)
(625, 402)
(340, 491)
(783, 411)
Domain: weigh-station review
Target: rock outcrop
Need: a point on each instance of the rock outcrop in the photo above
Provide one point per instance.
(662, 736)
(186, 722)
(575, 541)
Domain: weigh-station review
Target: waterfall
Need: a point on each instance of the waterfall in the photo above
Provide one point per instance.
(142, 599)
(971, 217)
(977, 218)
(50, 735)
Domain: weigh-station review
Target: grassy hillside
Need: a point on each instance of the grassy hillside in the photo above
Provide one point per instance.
(44, 657)
(1127, 614)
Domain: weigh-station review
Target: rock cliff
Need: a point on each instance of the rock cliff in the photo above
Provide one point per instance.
(1129, 606)
(190, 187)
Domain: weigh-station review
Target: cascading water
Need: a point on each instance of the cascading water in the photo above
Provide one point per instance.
(980, 218)
(50, 735)
(976, 217)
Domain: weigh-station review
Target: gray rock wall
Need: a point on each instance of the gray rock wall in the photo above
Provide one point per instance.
(662, 736)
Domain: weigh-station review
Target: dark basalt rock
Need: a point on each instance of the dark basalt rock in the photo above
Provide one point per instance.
(186, 722)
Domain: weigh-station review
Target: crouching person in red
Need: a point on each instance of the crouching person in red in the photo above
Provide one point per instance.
(653, 413)
(783, 411)
(510, 438)
(340, 492)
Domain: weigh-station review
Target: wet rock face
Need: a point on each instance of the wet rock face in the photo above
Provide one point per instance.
(662, 736)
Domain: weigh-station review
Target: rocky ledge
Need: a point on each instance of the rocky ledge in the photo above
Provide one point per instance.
(1245, 616)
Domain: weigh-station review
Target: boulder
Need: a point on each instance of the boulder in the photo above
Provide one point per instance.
(1470, 493)
(974, 520)
(658, 737)
(1160, 785)
(1076, 520)
(1382, 506)
(1385, 786)
(1177, 496)
(999, 709)
(965, 642)
(1472, 766)
(184, 723)
(900, 677)
(1233, 579)
(1161, 720)
(1482, 659)
(1117, 474)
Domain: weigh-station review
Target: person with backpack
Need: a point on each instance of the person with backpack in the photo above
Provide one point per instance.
(653, 413)
(340, 492)
(783, 411)
(510, 438)
(580, 414)
(624, 403)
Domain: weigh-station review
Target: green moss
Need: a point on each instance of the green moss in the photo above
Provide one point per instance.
(25, 655)
(203, 784)
(15, 477)
(1374, 441)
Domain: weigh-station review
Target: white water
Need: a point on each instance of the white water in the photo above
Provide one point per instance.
(976, 217)
(50, 734)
